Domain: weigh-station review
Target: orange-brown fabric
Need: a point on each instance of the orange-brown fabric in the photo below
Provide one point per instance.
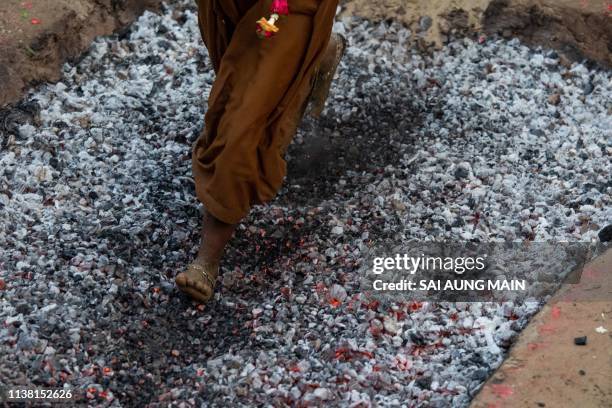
(256, 99)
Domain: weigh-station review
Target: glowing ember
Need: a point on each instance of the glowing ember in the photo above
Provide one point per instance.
(415, 306)
(334, 302)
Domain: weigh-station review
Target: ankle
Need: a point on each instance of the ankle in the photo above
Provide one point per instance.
(205, 258)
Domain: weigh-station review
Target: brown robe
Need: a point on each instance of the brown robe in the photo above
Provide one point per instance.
(256, 100)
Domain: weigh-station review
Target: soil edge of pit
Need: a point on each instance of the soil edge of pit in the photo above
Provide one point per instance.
(29, 57)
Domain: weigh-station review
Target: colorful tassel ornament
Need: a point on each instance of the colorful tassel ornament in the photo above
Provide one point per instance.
(266, 27)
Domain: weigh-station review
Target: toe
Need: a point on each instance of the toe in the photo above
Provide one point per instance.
(203, 289)
(181, 280)
(193, 284)
(189, 282)
(195, 295)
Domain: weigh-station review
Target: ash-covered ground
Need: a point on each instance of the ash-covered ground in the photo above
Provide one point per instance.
(485, 140)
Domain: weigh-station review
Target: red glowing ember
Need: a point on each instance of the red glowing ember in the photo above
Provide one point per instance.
(334, 302)
(286, 292)
(376, 327)
(402, 363)
(373, 305)
(35, 21)
(346, 354)
(320, 287)
(414, 306)
(341, 353)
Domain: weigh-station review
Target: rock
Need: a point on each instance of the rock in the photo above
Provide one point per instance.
(390, 325)
(444, 26)
(424, 382)
(605, 235)
(337, 293)
(580, 341)
(538, 132)
(23, 308)
(554, 99)
(480, 375)
(322, 393)
(25, 342)
(337, 230)
(461, 173)
(425, 23)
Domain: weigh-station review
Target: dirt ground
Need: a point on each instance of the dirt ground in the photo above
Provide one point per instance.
(577, 28)
(545, 368)
(37, 36)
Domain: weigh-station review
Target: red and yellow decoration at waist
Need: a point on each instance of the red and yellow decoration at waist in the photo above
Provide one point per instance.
(266, 27)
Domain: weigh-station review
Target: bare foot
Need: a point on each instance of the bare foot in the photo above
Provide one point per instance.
(198, 281)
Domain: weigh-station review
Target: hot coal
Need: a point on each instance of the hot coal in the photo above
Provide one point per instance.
(98, 213)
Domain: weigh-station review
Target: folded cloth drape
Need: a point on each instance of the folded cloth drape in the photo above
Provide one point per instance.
(256, 99)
